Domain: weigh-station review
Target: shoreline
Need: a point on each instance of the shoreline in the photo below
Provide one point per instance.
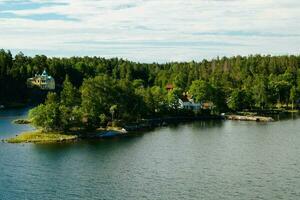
(40, 137)
(249, 118)
(129, 129)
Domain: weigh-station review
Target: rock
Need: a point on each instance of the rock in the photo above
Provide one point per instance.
(22, 121)
(249, 118)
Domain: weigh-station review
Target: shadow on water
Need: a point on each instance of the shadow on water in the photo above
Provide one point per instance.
(17, 112)
(108, 144)
(7, 127)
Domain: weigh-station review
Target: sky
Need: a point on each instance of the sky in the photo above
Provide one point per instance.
(150, 30)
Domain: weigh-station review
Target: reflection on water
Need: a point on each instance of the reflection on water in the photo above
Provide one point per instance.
(208, 124)
(201, 160)
(287, 116)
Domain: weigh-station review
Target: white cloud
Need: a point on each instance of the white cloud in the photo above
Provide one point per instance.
(153, 30)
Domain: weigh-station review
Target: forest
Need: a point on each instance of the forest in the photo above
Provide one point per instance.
(92, 91)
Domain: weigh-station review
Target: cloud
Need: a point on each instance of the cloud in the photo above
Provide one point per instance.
(26, 5)
(37, 17)
(248, 34)
(151, 30)
(124, 6)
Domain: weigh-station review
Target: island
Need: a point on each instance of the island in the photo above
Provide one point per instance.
(80, 96)
(40, 137)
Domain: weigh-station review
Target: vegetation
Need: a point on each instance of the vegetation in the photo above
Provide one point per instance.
(41, 137)
(21, 121)
(94, 91)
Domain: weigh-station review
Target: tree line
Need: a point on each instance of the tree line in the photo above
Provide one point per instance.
(95, 89)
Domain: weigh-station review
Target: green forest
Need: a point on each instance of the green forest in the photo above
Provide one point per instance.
(92, 91)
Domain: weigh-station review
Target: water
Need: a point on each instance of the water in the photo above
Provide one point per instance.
(205, 160)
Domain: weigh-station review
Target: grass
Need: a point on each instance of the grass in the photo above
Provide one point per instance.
(293, 111)
(41, 137)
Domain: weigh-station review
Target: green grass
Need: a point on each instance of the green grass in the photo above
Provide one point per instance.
(293, 111)
(41, 137)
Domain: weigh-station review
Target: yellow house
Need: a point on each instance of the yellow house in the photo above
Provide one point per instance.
(43, 81)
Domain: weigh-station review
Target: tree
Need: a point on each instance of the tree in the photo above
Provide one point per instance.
(112, 111)
(47, 116)
(103, 119)
(130, 105)
(280, 89)
(239, 100)
(173, 97)
(201, 91)
(138, 83)
(97, 94)
(69, 96)
(180, 80)
(69, 108)
(260, 93)
(138, 89)
(293, 95)
(159, 103)
(219, 99)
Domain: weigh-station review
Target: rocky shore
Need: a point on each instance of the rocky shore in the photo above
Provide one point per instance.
(127, 130)
(21, 121)
(249, 118)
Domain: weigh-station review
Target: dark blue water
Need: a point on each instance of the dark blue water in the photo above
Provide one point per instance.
(204, 160)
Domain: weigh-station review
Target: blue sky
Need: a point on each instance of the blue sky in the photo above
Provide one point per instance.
(150, 30)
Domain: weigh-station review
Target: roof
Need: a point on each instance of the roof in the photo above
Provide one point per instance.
(207, 104)
(184, 98)
(43, 76)
(169, 86)
(44, 73)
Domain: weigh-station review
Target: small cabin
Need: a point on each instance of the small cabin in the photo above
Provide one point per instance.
(208, 105)
(169, 87)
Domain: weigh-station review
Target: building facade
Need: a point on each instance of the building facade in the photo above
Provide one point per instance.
(43, 81)
(188, 103)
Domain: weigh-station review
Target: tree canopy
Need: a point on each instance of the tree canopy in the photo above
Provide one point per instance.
(88, 87)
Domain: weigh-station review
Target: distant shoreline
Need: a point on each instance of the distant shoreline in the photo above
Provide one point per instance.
(145, 125)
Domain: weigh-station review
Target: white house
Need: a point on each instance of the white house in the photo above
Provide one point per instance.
(189, 104)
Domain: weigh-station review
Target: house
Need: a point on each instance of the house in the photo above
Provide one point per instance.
(169, 87)
(207, 105)
(186, 102)
(43, 81)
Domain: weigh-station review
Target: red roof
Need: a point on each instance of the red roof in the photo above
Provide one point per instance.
(169, 86)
